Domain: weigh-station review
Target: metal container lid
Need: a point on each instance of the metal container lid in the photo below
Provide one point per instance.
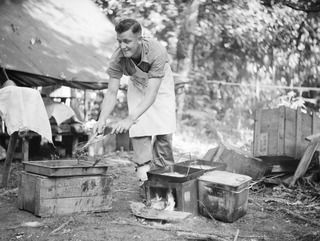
(165, 174)
(225, 178)
(65, 167)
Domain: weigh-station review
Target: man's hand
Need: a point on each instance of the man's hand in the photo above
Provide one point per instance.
(99, 127)
(108, 103)
(122, 126)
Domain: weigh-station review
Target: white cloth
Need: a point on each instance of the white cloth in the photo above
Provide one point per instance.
(22, 109)
(59, 111)
(3, 153)
(160, 118)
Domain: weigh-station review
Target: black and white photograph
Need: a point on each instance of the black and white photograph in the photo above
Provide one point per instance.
(124, 120)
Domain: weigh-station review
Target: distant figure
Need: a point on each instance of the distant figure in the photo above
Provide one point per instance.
(95, 112)
(151, 98)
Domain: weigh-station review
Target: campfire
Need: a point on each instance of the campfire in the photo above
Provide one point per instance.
(163, 203)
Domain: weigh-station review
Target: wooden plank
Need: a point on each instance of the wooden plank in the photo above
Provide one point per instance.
(140, 210)
(285, 129)
(75, 145)
(269, 128)
(298, 133)
(314, 137)
(75, 186)
(306, 130)
(210, 154)
(314, 123)
(319, 158)
(263, 144)
(28, 191)
(290, 133)
(271, 120)
(266, 129)
(281, 128)
(9, 157)
(305, 161)
(61, 206)
(218, 154)
(257, 129)
(63, 187)
(37, 195)
(45, 196)
(242, 162)
(190, 196)
(278, 164)
(25, 149)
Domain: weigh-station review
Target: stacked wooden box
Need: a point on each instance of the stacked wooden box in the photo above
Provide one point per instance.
(282, 131)
(48, 188)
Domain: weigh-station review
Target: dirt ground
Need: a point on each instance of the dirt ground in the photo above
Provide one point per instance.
(267, 218)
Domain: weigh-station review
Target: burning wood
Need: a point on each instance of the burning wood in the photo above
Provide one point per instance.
(170, 201)
(157, 203)
(160, 203)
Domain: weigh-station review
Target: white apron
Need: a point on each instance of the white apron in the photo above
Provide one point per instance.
(160, 118)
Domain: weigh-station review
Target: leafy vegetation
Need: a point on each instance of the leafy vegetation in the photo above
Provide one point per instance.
(231, 57)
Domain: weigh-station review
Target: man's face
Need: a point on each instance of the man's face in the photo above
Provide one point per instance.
(129, 43)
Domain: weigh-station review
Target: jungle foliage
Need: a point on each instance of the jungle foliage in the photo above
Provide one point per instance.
(230, 55)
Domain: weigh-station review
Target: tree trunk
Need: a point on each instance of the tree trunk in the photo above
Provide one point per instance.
(185, 44)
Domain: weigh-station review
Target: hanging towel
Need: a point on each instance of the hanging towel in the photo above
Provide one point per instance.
(22, 109)
(59, 111)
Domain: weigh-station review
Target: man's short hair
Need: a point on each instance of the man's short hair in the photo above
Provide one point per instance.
(126, 24)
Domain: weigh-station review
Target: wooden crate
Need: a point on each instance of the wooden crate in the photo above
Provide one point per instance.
(238, 161)
(49, 196)
(282, 132)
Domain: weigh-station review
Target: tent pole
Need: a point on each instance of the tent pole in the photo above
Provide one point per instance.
(10, 153)
(5, 73)
(85, 105)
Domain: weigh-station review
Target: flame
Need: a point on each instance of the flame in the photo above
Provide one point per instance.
(170, 201)
(160, 204)
(157, 203)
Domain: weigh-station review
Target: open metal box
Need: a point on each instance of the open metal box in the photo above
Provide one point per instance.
(174, 173)
(203, 165)
(67, 167)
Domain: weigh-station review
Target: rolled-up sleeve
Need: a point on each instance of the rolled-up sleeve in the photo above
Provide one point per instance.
(114, 70)
(158, 57)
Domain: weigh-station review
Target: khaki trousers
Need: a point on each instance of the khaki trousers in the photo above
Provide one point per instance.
(156, 149)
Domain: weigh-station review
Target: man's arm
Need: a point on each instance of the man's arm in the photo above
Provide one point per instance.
(109, 102)
(151, 92)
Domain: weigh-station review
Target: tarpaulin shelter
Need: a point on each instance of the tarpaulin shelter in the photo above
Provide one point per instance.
(55, 42)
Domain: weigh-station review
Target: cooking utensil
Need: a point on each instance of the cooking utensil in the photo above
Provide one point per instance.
(96, 138)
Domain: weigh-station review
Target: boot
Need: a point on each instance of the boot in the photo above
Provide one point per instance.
(142, 173)
(143, 177)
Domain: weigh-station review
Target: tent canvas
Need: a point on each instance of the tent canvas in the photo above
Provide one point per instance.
(55, 42)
